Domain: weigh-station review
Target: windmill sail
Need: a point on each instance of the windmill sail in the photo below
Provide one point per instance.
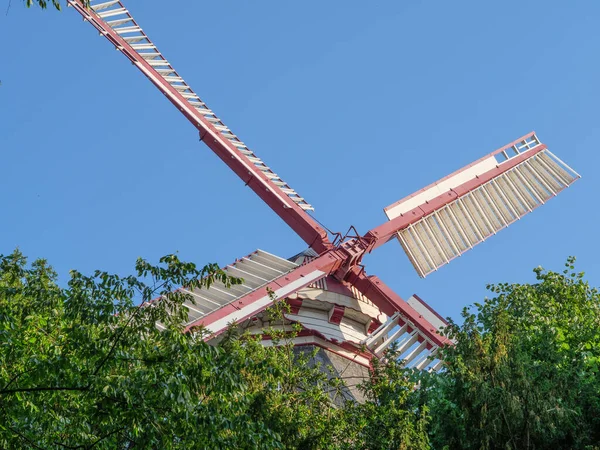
(117, 25)
(468, 206)
(266, 278)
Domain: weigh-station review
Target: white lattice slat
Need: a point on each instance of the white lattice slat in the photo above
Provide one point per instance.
(257, 270)
(450, 230)
(414, 348)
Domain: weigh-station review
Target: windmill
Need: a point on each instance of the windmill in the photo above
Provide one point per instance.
(349, 314)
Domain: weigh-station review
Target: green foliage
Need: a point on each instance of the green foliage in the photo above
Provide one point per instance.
(84, 366)
(42, 3)
(45, 3)
(524, 371)
(390, 417)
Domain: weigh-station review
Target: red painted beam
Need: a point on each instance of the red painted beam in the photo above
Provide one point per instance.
(389, 302)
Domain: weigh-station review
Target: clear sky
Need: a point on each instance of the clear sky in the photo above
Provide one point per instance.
(356, 104)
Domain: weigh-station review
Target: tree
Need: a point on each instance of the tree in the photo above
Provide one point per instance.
(524, 372)
(84, 366)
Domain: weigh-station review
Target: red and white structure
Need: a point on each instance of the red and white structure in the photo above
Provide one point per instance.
(340, 307)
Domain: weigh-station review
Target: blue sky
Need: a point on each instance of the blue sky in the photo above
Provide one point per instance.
(355, 104)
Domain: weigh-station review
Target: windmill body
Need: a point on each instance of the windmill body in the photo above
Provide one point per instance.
(349, 314)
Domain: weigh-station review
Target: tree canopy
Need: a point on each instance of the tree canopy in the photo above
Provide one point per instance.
(84, 366)
(524, 372)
